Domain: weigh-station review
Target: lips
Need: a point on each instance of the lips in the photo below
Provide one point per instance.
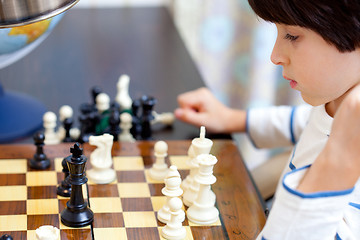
(293, 83)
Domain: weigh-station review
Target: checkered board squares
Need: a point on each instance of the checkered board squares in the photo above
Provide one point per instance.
(124, 209)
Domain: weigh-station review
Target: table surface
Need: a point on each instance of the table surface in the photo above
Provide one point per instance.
(241, 212)
(92, 47)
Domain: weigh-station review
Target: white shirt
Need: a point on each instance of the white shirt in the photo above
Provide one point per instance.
(295, 215)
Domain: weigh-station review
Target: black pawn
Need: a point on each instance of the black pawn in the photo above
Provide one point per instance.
(114, 121)
(77, 213)
(40, 161)
(68, 122)
(64, 189)
(6, 237)
(148, 104)
(136, 122)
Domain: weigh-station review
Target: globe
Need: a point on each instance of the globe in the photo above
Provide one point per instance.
(16, 42)
(21, 115)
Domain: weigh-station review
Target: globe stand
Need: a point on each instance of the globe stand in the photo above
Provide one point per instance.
(21, 115)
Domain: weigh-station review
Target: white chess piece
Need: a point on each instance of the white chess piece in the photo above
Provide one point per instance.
(159, 169)
(102, 102)
(47, 232)
(166, 118)
(125, 126)
(172, 189)
(174, 230)
(122, 96)
(203, 210)
(49, 123)
(200, 145)
(101, 159)
(186, 183)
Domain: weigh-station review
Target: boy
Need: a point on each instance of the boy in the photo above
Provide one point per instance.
(318, 46)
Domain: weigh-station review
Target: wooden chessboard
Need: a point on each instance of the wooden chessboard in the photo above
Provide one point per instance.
(126, 208)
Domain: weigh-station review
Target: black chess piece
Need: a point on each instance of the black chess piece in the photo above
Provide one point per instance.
(96, 90)
(114, 121)
(39, 161)
(64, 189)
(67, 123)
(6, 237)
(77, 213)
(136, 123)
(148, 104)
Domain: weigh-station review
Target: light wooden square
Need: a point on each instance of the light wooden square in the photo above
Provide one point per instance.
(42, 206)
(139, 219)
(13, 166)
(43, 178)
(58, 164)
(13, 223)
(105, 204)
(124, 163)
(31, 235)
(158, 202)
(189, 235)
(110, 233)
(13, 193)
(131, 190)
(179, 161)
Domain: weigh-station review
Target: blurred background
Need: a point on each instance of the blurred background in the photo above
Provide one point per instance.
(231, 48)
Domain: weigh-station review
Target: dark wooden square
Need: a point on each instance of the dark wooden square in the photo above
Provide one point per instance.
(83, 234)
(155, 189)
(35, 221)
(41, 192)
(130, 176)
(12, 207)
(103, 190)
(12, 179)
(108, 220)
(136, 204)
(148, 233)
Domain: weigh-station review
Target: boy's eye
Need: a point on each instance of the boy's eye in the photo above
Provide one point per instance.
(291, 37)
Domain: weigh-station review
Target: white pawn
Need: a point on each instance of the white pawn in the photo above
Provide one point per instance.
(122, 96)
(49, 123)
(200, 145)
(174, 230)
(172, 189)
(125, 126)
(159, 169)
(101, 160)
(203, 210)
(102, 102)
(47, 232)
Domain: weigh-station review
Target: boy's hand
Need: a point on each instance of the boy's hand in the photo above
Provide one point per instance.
(201, 108)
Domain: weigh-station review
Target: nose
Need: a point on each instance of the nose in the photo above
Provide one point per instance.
(278, 55)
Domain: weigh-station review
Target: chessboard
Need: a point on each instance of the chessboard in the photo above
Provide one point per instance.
(126, 208)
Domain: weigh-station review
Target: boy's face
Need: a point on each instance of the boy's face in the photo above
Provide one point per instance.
(314, 67)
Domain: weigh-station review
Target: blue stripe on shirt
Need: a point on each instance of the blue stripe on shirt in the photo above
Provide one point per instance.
(355, 205)
(292, 135)
(337, 237)
(316, 194)
(291, 165)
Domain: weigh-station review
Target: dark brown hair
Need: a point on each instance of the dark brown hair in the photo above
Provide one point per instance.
(337, 21)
